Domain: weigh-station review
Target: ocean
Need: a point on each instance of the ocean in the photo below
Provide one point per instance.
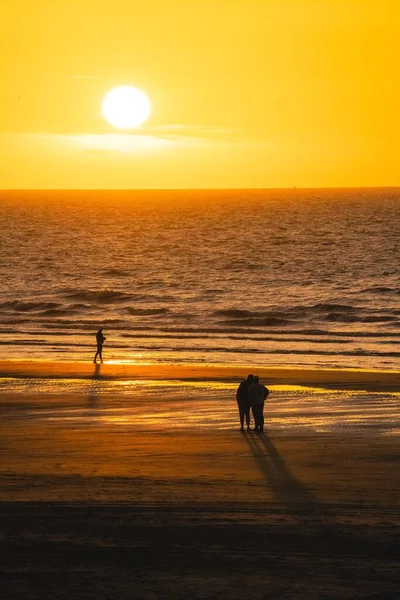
(267, 277)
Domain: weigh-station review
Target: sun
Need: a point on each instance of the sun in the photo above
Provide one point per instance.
(126, 107)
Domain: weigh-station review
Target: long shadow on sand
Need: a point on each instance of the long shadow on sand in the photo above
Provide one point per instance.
(93, 395)
(96, 374)
(284, 486)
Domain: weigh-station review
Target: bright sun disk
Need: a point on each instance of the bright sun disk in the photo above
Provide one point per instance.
(125, 107)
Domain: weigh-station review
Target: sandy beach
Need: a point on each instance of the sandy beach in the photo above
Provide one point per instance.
(122, 506)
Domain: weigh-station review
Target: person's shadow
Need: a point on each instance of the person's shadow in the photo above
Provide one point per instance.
(92, 396)
(286, 489)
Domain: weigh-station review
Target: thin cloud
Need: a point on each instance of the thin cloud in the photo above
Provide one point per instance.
(199, 132)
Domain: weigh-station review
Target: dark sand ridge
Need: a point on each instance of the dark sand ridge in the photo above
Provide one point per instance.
(327, 378)
(110, 514)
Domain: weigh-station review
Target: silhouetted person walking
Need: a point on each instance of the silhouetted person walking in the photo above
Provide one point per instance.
(243, 403)
(100, 339)
(256, 395)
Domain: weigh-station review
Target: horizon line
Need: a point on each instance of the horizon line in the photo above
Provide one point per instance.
(198, 189)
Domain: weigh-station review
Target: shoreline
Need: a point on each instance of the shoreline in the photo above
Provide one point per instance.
(340, 379)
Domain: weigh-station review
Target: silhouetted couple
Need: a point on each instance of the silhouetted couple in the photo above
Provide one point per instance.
(100, 339)
(251, 394)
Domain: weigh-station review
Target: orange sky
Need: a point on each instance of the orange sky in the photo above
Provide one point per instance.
(244, 93)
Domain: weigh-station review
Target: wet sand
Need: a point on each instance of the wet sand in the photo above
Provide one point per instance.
(101, 509)
(328, 378)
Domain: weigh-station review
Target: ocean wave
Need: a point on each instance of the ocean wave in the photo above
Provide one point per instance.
(258, 322)
(264, 351)
(212, 292)
(341, 318)
(102, 296)
(332, 312)
(115, 273)
(67, 310)
(54, 312)
(246, 318)
(15, 321)
(147, 311)
(86, 324)
(393, 324)
(381, 289)
(233, 313)
(327, 307)
(379, 319)
(313, 332)
(346, 334)
(26, 343)
(22, 306)
(346, 318)
(38, 311)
